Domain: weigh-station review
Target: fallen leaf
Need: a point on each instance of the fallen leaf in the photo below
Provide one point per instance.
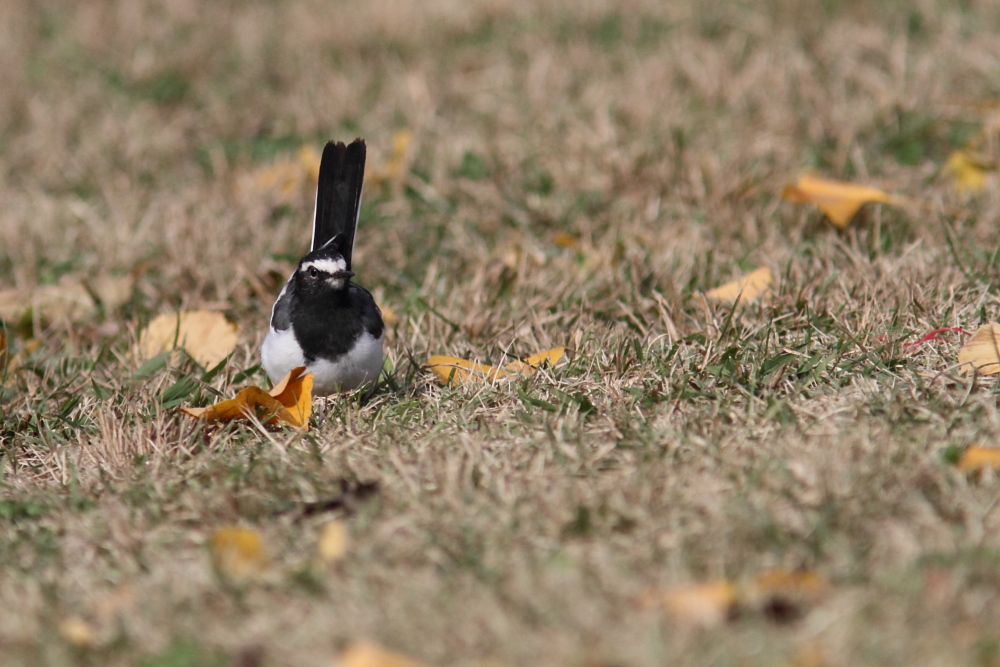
(77, 632)
(797, 582)
(981, 352)
(460, 371)
(564, 240)
(975, 459)
(369, 654)
(286, 177)
(288, 403)
(968, 173)
(111, 291)
(204, 334)
(389, 317)
(332, 544)
(705, 605)
(394, 167)
(68, 300)
(783, 595)
(756, 284)
(838, 200)
(237, 553)
(545, 358)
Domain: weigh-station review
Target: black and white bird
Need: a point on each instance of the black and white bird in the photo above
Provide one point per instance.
(321, 319)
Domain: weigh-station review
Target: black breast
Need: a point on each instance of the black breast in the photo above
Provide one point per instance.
(328, 325)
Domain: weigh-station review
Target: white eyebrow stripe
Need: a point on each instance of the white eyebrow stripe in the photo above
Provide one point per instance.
(325, 265)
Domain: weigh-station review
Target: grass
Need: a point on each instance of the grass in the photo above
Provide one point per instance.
(577, 174)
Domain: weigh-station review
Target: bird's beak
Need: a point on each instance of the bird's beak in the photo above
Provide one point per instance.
(343, 275)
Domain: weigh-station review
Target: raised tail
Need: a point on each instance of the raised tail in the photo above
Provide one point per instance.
(338, 196)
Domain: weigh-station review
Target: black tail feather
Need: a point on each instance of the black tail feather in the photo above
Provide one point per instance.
(338, 195)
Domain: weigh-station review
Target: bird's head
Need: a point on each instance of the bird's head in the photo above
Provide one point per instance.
(324, 269)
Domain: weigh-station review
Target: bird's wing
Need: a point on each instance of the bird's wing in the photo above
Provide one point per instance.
(338, 196)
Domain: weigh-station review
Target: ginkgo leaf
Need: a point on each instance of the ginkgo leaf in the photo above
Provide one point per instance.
(838, 200)
(69, 300)
(979, 458)
(705, 605)
(393, 168)
(332, 544)
(205, 335)
(237, 553)
(369, 654)
(967, 173)
(77, 632)
(982, 352)
(756, 284)
(783, 595)
(460, 371)
(287, 176)
(289, 403)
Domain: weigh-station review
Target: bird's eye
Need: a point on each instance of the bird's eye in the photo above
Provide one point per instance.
(313, 272)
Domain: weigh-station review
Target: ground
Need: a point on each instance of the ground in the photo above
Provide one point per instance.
(542, 175)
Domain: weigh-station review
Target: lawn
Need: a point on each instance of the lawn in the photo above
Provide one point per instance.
(541, 175)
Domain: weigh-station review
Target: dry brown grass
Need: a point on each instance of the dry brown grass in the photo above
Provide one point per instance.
(514, 523)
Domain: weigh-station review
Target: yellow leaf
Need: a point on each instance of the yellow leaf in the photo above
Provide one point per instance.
(77, 632)
(702, 604)
(791, 587)
(394, 167)
(751, 286)
(979, 458)
(206, 335)
(460, 371)
(237, 553)
(564, 240)
(332, 545)
(838, 200)
(310, 158)
(968, 173)
(289, 403)
(981, 352)
(389, 316)
(369, 654)
(535, 361)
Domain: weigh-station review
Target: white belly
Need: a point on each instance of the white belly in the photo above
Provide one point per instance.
(280, 353)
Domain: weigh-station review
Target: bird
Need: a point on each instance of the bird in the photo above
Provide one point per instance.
(322, 319)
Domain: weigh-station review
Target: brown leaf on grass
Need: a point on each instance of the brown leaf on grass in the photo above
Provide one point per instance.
(285, 177)
(756, 284)
(68, 301)
(332, 544)
(393, 168)
(975, 459)
(237, 553)
(981, 353)
(838, 200)
(78, 632)
(369, 654)
(704, 605)
(289, 403)
(204, 334)
(783, 595)
(967, 172)
(451, 370)
(780, 595)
